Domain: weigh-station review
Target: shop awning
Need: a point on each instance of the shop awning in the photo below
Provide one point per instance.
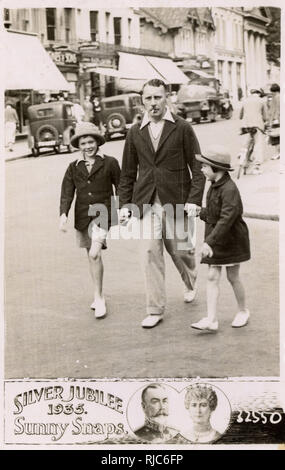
(167, 68)
(28, 66)
(136, 67)
(201, 73)
(140, 67)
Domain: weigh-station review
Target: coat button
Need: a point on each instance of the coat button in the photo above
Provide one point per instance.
(89, 194)
(88, 181)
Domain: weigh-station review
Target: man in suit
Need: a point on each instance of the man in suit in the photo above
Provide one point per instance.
(156, 409)
(157, 185)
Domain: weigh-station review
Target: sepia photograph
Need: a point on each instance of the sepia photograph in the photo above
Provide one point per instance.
(141, 209)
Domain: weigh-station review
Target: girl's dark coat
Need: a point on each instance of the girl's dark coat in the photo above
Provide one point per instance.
(225, 232)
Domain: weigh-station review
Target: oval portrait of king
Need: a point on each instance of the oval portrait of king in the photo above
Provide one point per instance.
(151, 413)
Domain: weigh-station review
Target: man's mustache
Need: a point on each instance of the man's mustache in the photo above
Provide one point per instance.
(161, 413)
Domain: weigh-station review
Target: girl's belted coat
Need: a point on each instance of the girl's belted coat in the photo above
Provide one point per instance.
(226, 232)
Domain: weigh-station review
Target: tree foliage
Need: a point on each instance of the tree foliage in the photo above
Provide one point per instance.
(274, 37)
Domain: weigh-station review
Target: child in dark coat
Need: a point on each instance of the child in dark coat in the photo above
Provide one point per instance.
(93, 177)
(226, 236)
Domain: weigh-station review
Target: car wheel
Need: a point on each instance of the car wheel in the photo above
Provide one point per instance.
(116, 123)
(197, 120)
(47, 132)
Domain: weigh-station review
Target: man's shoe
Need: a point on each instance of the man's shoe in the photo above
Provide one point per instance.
(151, 320)
(276, 157)
(99, 306)
(205, 324)
(241, 319)
(189, 295)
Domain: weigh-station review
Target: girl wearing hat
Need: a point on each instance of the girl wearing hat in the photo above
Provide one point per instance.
(226, 236)
(92, 176)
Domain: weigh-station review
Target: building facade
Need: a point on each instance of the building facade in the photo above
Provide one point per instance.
(240, 49)
(229, 43)
(79, 40)
(185, 34)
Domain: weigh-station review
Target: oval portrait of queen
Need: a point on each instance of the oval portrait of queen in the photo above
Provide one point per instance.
(207, 413)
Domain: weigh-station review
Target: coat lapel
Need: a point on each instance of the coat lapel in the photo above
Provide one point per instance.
(168, 128)
(146, 137)
(99, 162)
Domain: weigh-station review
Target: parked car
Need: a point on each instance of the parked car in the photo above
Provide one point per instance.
(119, 112)
(51, 125)
(203, 98)
(196, 102)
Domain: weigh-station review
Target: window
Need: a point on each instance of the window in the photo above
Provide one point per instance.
(107, 26)
(238, 74)
(230, 70)
(67, 22)
(114, 104)
(47, 112)
(224, 33)
(94, 25)
(129, 30)
(117, 30)
(6, 14)
(220, 70)
(136, 101)
(50, 19)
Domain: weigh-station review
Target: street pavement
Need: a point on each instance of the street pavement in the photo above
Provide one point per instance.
(50, 329)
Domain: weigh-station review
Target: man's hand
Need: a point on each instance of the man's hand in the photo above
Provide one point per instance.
(192, 209)
(206, 251)
(62, 223)
(124, 216)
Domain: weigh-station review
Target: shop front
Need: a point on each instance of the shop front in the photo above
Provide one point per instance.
(67, 61)
(28, 73)
(93, 83)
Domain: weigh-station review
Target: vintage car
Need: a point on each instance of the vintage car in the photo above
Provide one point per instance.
(203, 99)
(196, 102)
(51, 125)
(119, 112)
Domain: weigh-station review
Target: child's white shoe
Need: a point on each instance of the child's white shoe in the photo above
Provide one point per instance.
(205, 324)
(241, 319)
(99, 306)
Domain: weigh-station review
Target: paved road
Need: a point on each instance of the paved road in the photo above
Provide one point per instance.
(50, 330)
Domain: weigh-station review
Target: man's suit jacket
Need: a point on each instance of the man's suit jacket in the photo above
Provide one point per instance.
(166, 171)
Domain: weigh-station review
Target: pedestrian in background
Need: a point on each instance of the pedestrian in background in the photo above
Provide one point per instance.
(226, 236)
(155, 175)
(88, 110)
(274, 119)
(11, 123)
(93, 176)
(78, 111)
(253, 114)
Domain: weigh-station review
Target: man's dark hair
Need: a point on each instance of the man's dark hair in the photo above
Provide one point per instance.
(275, 87)
(154, 82)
